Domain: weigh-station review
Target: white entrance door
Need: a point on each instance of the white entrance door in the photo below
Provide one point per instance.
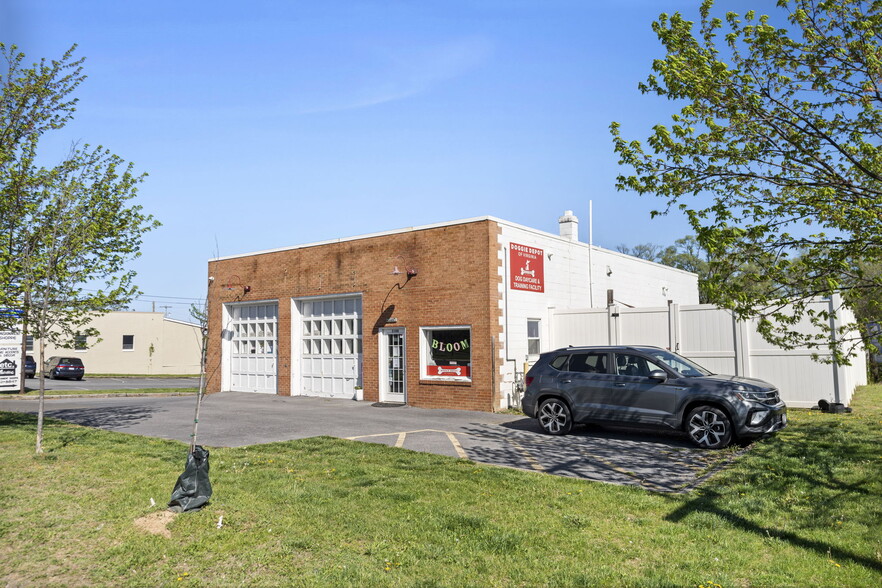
(254, 330)
(393, 366)
(330, 361)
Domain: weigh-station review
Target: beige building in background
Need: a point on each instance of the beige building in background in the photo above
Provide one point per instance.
(135, 343)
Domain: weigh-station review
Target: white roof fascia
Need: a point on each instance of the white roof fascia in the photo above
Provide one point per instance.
(359, 237)
(538, 232)
(171, 320)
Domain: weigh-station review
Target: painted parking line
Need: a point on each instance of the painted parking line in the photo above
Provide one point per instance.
(642, 481)
(402, 436)
(610, 461)
(527, 456)
(456, 445)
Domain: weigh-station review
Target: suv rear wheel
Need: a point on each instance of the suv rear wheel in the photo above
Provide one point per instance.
(709, 427)
(554, 417)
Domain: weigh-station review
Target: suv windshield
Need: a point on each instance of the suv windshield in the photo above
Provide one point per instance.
(677, 363)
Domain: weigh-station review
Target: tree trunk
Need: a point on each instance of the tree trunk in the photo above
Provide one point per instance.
(42, 399)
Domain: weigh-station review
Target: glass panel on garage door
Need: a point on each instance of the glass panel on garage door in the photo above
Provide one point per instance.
(330, 347)
(254, 329)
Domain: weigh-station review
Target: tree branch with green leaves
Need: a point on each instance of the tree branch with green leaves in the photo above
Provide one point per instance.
(774, 156)
(67, 226)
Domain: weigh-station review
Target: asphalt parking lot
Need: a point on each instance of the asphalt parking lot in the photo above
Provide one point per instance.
(657, 461)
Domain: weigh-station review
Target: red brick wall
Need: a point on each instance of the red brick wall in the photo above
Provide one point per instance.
(457, 284)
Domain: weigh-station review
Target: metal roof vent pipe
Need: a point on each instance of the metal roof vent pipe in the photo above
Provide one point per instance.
(569, 226)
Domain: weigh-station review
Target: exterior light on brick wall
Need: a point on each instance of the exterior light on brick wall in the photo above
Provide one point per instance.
(409, 270)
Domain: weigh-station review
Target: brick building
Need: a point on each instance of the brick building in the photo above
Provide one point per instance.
(439, 316)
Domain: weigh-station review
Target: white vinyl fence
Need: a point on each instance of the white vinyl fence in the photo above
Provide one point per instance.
(714, 338)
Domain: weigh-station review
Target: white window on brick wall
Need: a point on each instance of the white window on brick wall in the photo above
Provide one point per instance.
(446, 353)
(533, 339)
(128, 342)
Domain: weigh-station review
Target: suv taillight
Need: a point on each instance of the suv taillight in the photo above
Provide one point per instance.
(528, 380)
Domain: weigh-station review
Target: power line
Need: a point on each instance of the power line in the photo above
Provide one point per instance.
(170, 297)
(159, 297)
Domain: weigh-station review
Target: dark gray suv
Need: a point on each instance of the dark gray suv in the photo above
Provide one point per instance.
(649, 386)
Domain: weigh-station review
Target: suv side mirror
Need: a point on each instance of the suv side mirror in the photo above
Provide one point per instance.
(659, 375)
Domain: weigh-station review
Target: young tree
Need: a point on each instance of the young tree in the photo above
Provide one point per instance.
(775, 155)
(67, 226)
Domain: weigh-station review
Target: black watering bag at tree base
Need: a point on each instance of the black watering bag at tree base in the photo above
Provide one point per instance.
(193, 488)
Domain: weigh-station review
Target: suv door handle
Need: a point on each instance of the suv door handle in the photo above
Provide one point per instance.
(567, 381)
(620, 385)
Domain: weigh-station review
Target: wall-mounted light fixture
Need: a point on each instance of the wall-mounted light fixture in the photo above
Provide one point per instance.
(408, 269)
(234, 283)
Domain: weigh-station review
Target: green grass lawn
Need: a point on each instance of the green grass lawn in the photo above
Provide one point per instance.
(801, 509)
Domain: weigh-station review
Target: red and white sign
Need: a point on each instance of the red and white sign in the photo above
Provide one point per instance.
(456, 371)
(527, 268)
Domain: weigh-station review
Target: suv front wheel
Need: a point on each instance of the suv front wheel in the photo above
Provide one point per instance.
(709, 427)
(554, 417)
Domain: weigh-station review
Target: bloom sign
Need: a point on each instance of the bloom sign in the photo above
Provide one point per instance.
(527, 268)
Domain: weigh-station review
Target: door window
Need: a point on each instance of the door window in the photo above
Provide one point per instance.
(634, 365)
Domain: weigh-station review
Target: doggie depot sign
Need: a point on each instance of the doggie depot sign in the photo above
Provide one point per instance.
(527, 268)
(10, 360)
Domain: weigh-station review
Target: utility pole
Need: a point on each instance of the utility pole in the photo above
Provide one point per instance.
(166, 307)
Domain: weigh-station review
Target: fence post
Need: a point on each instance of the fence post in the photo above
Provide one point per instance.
(673, 326)
(613, 321)
(741, 330)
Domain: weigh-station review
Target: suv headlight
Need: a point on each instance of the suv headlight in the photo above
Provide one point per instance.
(751, 396)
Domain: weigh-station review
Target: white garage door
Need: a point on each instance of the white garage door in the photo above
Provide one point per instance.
(254, 330)
(330, 337)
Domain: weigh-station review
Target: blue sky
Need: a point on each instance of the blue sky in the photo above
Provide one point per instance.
(268, 124)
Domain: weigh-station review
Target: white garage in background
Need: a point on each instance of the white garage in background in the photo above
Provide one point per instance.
(327, 333)
(250, 347)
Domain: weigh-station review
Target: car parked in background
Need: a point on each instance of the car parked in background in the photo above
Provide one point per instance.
(30, 367)
(644, 385)
(64, 367)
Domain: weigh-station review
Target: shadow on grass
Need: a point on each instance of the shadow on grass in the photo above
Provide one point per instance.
(811, 459)
(17, 419)
(708, 504)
